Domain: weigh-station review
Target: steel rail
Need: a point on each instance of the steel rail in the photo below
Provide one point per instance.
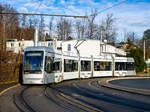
(21, 103)
(57, 102)
(74, 102)
(131, 105)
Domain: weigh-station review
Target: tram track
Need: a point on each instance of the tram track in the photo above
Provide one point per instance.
(71, 104)
(56, 100)
(76, 96)
(21, 103)
(113, 98)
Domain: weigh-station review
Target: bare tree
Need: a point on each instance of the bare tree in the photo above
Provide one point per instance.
(41, 28)
(81, 28)
(91, 25)
(51, 27)
(64, 29)
(132, 39)
(9, 24)
(60, 29)
(78, 29)
(109, 29)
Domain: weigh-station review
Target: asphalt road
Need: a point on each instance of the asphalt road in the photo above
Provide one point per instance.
(72, 96)
(134, 83)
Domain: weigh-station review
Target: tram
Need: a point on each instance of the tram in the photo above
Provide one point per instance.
(43, 65)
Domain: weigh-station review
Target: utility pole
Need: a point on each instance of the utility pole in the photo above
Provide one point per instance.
(144, 50)
(36, 37)
(101, 37)
(78, 52)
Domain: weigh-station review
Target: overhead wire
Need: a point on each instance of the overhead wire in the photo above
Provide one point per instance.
(38, 7)
(114, 5)
(31, 14)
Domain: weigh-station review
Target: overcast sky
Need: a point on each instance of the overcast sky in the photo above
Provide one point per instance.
(132, 15)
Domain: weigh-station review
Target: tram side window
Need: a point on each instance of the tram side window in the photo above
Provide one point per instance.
(70, 65)
(85, 65)
(120, 66)
(48, 66)
(130, 66)
(57, 66)
(105, 66)
(96, 65)
(75, 65)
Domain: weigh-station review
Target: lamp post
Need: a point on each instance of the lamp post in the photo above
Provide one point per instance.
(101, 37)
(144, 49)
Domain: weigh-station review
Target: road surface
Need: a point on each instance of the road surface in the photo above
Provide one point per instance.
(72, 96)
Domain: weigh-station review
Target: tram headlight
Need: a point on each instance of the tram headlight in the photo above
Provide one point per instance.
(36, 72)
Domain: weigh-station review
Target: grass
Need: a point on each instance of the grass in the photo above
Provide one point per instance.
(143, 74)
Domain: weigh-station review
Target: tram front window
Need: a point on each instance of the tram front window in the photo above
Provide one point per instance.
(33, 61)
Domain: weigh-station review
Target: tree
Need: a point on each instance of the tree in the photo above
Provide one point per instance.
(78, 29)
(8, 25)
(137, 54)
(147, 34)
(109, 30)
(64, 28)
(41, 28)
(132, 39)
(51, 28)
(91, 26)
(146, 38)
(81, 29)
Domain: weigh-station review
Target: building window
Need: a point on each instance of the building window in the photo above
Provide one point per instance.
(12, 44)
(49, 44)
(69, 47)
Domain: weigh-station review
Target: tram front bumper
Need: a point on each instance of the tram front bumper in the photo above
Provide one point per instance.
(33, 81)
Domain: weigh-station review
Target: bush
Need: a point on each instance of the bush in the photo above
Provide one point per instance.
(9, 66)
(137, 54)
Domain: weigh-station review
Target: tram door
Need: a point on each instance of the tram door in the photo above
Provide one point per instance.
(57, 69)
(48, 70)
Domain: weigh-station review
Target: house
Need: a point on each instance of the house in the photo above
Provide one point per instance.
(84, 47)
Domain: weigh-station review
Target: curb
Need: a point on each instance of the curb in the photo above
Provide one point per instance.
(106, 83)
(5, 90)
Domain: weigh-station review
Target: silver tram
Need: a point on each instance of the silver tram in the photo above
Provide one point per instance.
(43, 65)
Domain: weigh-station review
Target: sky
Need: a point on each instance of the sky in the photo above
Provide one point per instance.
(131, 16)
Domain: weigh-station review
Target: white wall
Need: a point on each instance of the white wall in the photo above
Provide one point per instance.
(92, 47)
(88, 47)
(18, 46)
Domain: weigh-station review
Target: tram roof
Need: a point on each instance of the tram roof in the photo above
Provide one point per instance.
(41, 48)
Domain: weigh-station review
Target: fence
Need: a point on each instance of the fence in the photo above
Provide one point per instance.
(10, 67)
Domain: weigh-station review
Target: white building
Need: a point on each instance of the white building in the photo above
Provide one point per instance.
(91, 47)
(18, 46)
(85, 47)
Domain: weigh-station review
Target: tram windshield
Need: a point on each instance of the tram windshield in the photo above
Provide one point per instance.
(33, 61)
